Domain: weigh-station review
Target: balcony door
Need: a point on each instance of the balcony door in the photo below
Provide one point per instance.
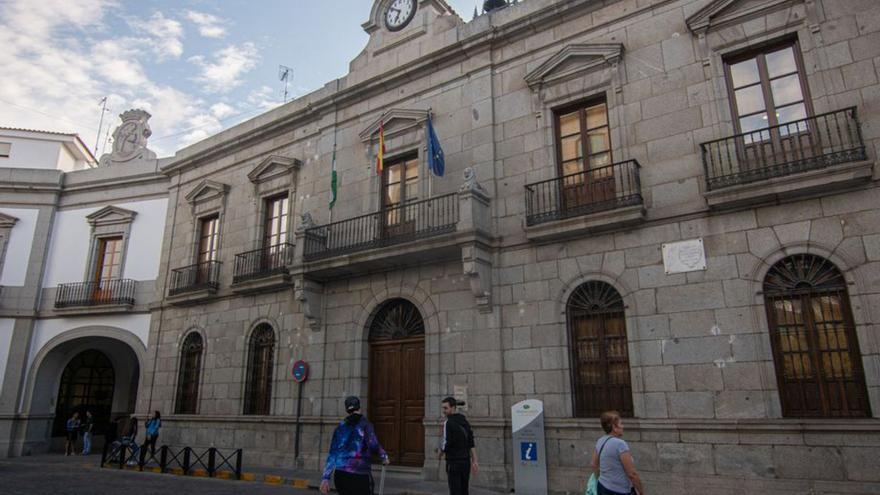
(768, 98)
(209, 245)
(108, 267)
(584, 155)
(277, 213)
(400, 184)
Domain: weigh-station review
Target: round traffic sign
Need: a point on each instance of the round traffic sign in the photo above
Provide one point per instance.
(300, 371)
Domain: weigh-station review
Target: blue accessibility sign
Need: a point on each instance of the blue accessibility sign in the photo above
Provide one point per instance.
(528, 451)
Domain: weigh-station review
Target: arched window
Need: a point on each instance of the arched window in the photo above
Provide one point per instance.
(599, 357)
(397, 319)
(190, 372)
(818, 363)
(261, 352)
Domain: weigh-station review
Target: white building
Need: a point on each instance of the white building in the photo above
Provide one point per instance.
(79, 253)
(26, 148)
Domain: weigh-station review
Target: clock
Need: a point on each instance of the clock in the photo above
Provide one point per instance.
(398, 13)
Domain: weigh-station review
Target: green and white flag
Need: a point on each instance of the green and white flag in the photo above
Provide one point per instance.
(333, 180)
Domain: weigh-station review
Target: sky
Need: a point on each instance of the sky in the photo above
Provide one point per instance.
(198, 66)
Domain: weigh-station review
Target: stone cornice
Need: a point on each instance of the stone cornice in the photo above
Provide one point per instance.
(594, 55)
(717, 13)
(395, 121)
(406, 72)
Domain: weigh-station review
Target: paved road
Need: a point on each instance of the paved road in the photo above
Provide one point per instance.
(58, 475)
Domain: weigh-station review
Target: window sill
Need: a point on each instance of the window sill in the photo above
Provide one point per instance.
(94, 310)
(190, 297)
(577, 226)
(263, 283)
(812, 183)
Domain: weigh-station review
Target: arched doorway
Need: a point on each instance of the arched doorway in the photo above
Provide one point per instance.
(86, 385)
(397, 381)
(813, 335)
(599, 358)
(71, 371)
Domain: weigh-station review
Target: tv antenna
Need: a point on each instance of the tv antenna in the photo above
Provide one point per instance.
(284, 74)
(104, 110)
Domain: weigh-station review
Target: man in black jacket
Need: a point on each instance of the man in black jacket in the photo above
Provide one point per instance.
(458, 447)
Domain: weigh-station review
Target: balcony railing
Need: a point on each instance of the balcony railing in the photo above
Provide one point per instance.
(263, 262)
(97, 293)
(810, 144)
(417, 220)
(205, 275)
(598, 189)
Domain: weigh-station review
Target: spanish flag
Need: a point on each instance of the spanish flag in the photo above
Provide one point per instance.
(380, 156)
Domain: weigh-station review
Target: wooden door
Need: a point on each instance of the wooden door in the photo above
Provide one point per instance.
(397, 398)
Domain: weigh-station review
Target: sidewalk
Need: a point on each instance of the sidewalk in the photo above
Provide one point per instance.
(396, 482)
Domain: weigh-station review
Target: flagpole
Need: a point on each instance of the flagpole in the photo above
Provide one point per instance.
(333, 164)
(427, 158)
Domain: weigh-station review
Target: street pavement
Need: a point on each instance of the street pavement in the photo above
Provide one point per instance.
(60, 475)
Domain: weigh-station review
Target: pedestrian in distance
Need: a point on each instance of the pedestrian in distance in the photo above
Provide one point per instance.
(128, 440)
(458, 447)
(72, 427)
(88, 425)
(354, 443)
(612, 462)
(152, 428)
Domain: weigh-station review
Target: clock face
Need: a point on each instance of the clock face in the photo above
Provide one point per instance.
(399, 13)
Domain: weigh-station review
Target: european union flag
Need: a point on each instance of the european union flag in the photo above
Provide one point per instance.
(436, 162)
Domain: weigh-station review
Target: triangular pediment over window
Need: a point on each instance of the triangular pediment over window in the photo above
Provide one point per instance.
(111, 215)
(573, 60)
(723, 12)
(272, 167)
(207, 190)
(7, 221)
(396, 120)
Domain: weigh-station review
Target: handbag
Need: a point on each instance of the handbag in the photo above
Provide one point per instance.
(593, 482)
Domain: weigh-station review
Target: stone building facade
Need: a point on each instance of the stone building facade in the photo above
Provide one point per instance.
(668, 207)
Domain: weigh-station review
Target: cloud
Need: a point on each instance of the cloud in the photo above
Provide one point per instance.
(221, 110)
(164, 35)
(58, 62)
(228, 65)
(210, 26)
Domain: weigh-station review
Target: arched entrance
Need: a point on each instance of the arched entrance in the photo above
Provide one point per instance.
(73, 371)
(86, 385)
(397, 381)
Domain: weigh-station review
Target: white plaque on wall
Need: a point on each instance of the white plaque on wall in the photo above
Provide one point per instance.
(460, 392)
(684, 256)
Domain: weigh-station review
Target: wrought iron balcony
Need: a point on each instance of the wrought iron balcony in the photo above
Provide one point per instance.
(397, 225)
(810, 144)
(263, 262)
(598, 189)
(201, 276)
(96, 293)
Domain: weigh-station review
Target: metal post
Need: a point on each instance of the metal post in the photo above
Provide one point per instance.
(299, 399)
(163, 458)
(186, 452)
(238, 464)
(211, 453)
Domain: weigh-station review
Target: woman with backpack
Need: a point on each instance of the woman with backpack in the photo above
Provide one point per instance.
(152, 427)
